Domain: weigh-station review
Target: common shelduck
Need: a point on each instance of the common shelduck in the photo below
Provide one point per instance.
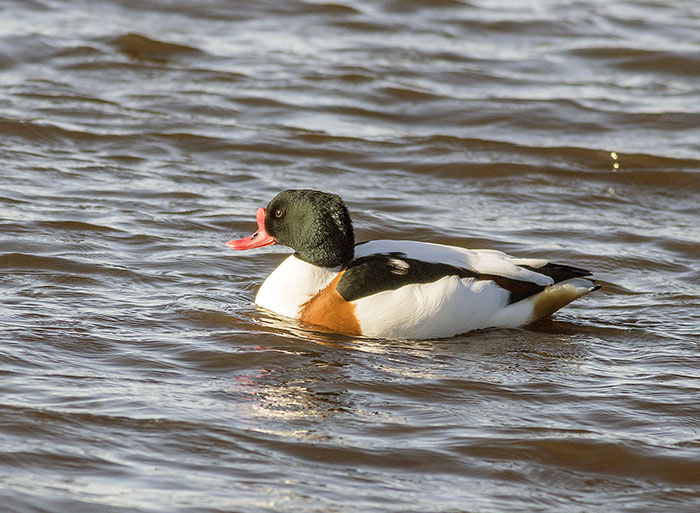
(397, 289)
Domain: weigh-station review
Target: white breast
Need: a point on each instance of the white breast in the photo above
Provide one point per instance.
(292, 284)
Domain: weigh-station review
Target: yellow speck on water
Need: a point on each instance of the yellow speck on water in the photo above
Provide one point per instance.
(616, 165)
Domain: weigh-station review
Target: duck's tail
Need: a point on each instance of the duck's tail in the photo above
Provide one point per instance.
(558, 295)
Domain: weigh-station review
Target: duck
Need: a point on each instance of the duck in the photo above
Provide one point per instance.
(397, 289)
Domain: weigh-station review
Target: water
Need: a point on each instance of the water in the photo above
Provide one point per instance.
(138, 136)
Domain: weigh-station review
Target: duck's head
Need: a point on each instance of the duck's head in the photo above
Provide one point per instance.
(315, 224)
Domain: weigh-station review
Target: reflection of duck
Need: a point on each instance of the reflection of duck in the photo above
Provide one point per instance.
(395, 288)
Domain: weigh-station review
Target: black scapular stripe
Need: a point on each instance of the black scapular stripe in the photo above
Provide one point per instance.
(559, 272)
(376, 273)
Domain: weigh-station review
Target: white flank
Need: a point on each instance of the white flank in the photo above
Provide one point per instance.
(451, 306)
(443, 308)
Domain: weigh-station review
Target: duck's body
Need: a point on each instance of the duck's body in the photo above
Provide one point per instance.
(398, 289)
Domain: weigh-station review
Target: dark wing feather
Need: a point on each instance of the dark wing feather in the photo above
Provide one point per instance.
(559, 272)
(379, 272)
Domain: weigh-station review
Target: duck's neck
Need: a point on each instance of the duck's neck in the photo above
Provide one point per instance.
(329, 255)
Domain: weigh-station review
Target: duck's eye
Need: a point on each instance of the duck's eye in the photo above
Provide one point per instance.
(277, 214)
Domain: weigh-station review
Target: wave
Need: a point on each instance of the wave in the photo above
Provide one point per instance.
(141, 47)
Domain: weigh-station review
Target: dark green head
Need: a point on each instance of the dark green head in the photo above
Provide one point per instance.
(315, 224)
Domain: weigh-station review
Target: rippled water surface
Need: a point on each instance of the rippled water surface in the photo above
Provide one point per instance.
(138, 136)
